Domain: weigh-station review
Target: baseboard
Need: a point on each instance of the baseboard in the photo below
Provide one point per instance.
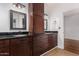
(48, 51)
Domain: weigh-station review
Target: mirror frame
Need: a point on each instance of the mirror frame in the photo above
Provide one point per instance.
(45, 20)
(46, 25)
(11, 20)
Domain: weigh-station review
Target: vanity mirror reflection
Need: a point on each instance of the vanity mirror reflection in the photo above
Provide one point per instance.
(17, 20)
(45, 22)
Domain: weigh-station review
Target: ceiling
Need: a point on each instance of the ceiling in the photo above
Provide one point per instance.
(66, 8)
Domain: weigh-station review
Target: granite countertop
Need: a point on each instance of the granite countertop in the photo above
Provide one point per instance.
(8, 35)
(12, 36)
(51, 31)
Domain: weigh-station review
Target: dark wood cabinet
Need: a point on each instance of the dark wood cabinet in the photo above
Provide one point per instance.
(4, 48)
(52, 40)
(36, 17)
(40, 44)
(44, 42)
(16, 46)
(25, 47)
(20, 47)
(28, 46)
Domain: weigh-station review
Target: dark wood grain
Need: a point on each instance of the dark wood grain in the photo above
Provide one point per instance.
(28, 46)
(40, 44)
(43, 42)
(52, 40)
(20, 47)
(38, 17)
(4, 47)
(71, 45)
(37, 26)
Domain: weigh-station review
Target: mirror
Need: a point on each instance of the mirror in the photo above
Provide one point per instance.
(17, 20)
(45, 22)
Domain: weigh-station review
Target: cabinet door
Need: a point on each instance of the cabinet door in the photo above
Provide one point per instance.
(38, 17)
(52, 40)
(4, 47)
(14, 47)
(20, 47)
(25, 49)
(40, 44)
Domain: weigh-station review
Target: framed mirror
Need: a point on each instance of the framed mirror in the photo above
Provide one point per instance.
(17, 20)
(45, 22)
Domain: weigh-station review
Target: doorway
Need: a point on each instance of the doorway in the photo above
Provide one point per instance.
(71, 31)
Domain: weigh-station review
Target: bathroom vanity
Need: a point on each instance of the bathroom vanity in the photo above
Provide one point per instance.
(28, 45)
(15, 45)
(32, 43)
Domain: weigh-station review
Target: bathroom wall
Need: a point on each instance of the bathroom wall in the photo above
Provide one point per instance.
(5, 17)
(56, 11)
(72, 26)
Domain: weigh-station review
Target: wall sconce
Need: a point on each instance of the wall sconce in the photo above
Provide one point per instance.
(18, 5)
